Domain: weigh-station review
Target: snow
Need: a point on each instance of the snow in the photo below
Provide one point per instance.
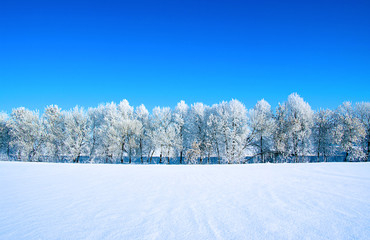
(259, 201)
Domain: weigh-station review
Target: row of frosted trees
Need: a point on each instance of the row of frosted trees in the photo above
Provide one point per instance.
(222, 133)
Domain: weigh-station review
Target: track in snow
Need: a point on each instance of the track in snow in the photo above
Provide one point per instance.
(260, 201)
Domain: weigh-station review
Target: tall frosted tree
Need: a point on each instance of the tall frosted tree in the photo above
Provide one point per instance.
(349, 132)
(323, 134)
(214, 130)
(4, 134)
(261, 123)
(181, 120)
(362, 112)
(26, 134)
(95, 122)
(165, 132)
(54, 127)
(77, 133)
(299, 123)
(238, 131)
(280, 133)
(197, 128)
(109, 139)
(143, 136)
(233, 130)
(127, 128)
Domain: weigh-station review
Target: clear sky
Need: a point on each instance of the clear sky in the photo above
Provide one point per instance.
(161, 52)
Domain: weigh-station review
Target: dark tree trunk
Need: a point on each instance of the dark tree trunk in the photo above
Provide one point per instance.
(141, 151)
(261, 150)
(368, 150)
(181, 157)
(122, 150)
(129, 157)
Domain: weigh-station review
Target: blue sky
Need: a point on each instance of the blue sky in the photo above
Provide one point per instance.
(160, 52)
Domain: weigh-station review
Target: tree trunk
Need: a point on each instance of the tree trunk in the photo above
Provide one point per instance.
(141, 151)
(181, 157)
(368, 149)
(129, 157)
(151, 157)
(122, 150)
(261, 150)
(168, 156)
(218, 155)
(345, 158)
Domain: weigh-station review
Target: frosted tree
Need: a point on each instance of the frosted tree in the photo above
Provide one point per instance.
(280, 133)
(165, 132)
(109, 138)
(238, 131)
(323, 134)
(128, 128)
(213, 131)
(77, 133)
(349, 132)
(221, 118)
(362, 112)
(233, 131)
(261, 123)
(95, 122)
(26, 134)
(143, 134)
(181, 120)
(54, 127)
(300, 120)
(4, 134)
(197, 128)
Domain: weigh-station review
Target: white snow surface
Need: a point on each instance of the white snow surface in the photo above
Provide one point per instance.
(260, 201)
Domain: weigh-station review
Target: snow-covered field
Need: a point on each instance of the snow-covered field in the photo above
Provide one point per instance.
(261, 201)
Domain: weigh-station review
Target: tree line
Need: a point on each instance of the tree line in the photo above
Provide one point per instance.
(226, 132)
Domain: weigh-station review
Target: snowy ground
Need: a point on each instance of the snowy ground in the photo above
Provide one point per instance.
(260, 201)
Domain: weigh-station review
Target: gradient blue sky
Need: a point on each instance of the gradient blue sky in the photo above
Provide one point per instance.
(160, 52)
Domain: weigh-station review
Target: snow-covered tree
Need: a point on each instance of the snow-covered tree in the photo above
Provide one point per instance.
(238, 131)
(143, 136)
(181, 120)
(280, 133)
(197, 128)
(26, 134)
(4, 134)
(108, 137)
(54, 127)
(77, 133)
(323, 134)
(165, 132)
(233, 131)
(127, 128)
(362, 112)
(349, 132)
(261, 123)
(300, 121)
(95, 122)
(213, 131)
